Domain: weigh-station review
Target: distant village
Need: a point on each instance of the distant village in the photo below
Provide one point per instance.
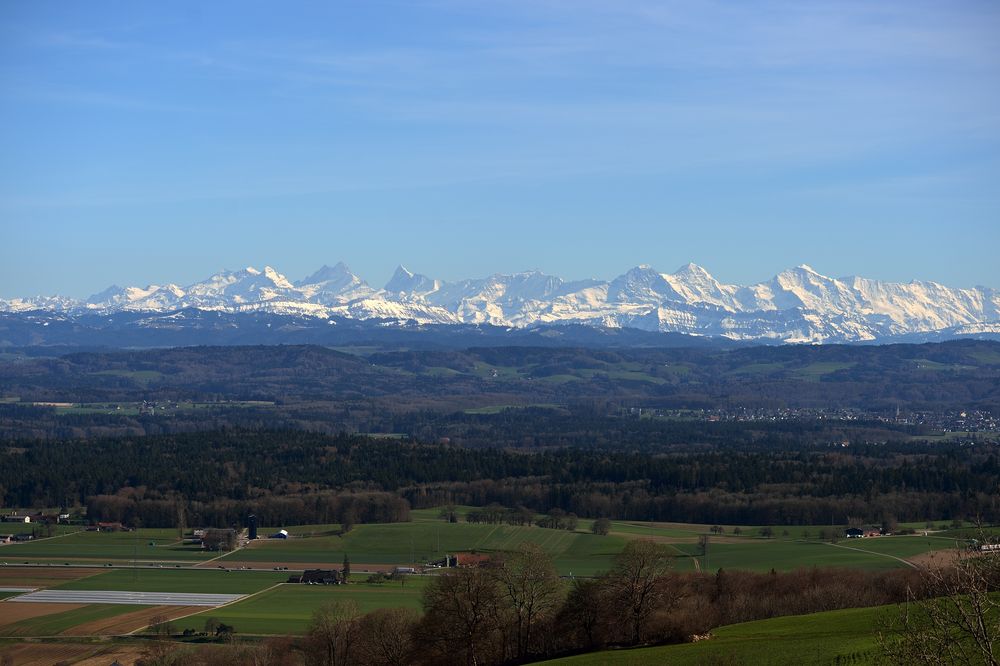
(970, 421)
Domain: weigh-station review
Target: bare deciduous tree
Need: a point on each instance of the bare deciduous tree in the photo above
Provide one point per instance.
(601, 526)
(385, 637)
(634, 583)
(531, 589)
(462, 612)
(958, 619)
(331, 634)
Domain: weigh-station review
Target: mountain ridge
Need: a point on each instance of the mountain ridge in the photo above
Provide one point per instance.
(798, 305)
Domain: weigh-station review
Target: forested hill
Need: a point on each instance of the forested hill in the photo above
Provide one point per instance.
(950, 375)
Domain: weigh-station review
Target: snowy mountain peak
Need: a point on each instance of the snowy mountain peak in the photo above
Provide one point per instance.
(406, 284)
(335, 285)
(692, 269)
(277, 278)
(338, 271)
(797, 305)
(106, 295)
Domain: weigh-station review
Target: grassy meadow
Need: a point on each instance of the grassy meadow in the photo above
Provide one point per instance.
(208, 581)
(843, 636)
(427, 537)
(146, 545)
(287, 609)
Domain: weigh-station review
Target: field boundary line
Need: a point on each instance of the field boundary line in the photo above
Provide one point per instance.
(57, 536)
(485, 538)
(213, 608)
(219, 557)
(872, 552)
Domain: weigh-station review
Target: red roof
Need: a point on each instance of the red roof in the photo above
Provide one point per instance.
(471, 559)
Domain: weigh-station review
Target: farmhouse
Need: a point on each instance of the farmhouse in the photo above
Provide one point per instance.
(469, 560)
(318, 577)
(17, 518)
(854, 533)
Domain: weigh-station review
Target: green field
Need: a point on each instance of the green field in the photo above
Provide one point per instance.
(814, 371)
(107, 546)
(287, 609)
(141, 377)
(758, 368)
(427, 539)
(208, 581)
(785, 555)
(843, 636)
(497, 409)
(56, 623)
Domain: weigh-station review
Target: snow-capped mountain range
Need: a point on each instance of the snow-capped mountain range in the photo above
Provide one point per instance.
(797, 305)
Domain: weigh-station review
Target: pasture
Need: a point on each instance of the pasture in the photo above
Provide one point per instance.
(143, 545)
(579, 553)
(843, 636)
(427, 537)
(755, 554)
(208, 581)
(287, 609)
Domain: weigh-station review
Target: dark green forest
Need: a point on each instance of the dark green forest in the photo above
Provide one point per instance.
(298, 477)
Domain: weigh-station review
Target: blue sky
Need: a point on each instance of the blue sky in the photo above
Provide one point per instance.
(155, 142)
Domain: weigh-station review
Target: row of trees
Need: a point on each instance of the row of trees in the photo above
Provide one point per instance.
(141, 507)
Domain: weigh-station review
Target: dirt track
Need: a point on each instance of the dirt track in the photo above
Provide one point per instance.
(129, 622)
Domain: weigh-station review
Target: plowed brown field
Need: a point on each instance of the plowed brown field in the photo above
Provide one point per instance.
(129, 622)
(11, 612)
(41, 576)
(46, 654)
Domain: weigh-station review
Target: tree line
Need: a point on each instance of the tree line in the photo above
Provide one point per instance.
(216, 478)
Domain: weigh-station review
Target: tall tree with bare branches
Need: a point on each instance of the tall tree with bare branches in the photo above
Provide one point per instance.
(530, 588)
